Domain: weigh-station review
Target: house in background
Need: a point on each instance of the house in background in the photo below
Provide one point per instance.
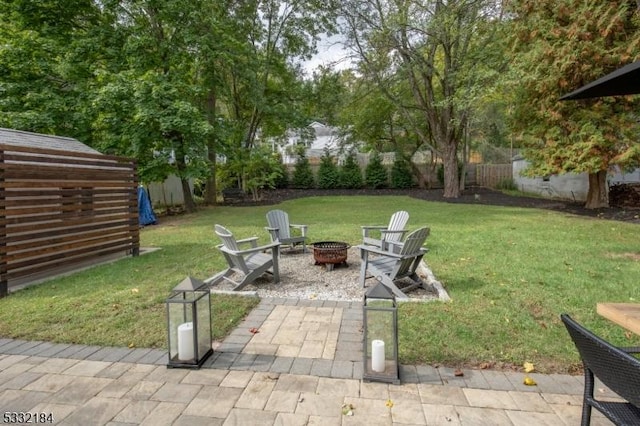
(323, 137)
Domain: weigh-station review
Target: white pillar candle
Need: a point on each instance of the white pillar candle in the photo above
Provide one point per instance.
(185, 341)
(377, 356)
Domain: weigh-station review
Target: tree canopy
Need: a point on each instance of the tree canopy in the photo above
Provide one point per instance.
(558, 47)
(182, 85)
(431, 59)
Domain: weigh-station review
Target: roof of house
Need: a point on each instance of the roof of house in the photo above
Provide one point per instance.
(37, 140)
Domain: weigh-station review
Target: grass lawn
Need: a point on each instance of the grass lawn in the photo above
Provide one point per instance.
(509, 271)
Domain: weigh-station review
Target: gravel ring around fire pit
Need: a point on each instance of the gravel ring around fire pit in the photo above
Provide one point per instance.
(301, 278)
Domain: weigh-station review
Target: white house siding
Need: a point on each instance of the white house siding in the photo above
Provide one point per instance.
(325, 137)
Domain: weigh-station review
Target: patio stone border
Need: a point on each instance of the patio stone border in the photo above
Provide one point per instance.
(347, 363)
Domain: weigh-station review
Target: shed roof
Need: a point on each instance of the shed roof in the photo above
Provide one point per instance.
(38, 140)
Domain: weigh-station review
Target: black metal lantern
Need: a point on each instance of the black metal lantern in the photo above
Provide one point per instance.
(380, 320)
(189, 324)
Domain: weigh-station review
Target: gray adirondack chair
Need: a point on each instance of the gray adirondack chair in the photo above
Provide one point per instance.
(389, 266)
(280, 230)
(250, 263)
(390, 235)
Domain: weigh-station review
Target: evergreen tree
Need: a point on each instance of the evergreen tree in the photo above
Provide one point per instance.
(375, 173)
(328, 176)
(350, 173)
(401, 173)
(302, 174)
(561, 45)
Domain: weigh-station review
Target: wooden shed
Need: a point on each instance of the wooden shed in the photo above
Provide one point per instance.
(62, 204)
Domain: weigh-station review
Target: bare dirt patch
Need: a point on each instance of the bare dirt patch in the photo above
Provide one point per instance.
(631, 256)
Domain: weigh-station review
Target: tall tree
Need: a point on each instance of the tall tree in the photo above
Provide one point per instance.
(152, 107)
(560, 46)
(46, 52)
(264, 95)
(172, 83)
(324, 95)
(445, 51)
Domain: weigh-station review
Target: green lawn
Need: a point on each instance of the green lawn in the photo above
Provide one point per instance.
(509, 271)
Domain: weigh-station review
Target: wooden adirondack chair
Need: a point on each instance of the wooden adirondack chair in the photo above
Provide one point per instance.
(391, 234)
(251, 262)
(280, 230)
(388, 266)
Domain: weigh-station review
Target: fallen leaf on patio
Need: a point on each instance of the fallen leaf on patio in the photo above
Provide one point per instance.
(529, 381)
(254, 330)
(458, 373)
(528, 367)
(347, 409)
(132, 345)
(484, 365)
(389, 403)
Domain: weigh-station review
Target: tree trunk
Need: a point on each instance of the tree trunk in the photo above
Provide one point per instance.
(211, 189)
(451, 173)
(189, 204)
(598, 196)
(466, 153)
(181, 165)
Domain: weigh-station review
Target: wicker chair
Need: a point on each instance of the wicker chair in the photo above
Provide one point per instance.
(615, 368)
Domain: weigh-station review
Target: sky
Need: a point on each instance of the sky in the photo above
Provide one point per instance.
(330, 52)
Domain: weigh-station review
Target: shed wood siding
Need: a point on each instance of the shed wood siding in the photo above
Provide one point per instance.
(60, 208)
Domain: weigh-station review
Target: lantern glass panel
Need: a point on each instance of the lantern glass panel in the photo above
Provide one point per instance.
(180, 309)
(204, 323)
(381, 356)
(189, 324)
(380, 352)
